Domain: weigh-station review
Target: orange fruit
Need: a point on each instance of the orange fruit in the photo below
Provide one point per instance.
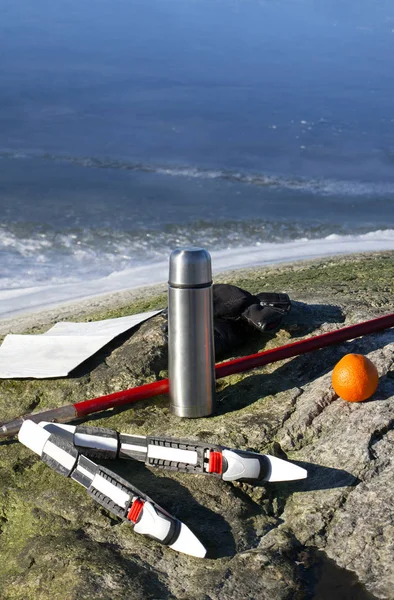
(355, 378)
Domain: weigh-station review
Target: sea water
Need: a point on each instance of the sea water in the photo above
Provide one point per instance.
(262, 130)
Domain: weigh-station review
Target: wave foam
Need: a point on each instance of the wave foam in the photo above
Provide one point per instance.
(35, 298)
(323, 187)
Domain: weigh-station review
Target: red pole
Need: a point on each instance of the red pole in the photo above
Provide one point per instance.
(238, 365)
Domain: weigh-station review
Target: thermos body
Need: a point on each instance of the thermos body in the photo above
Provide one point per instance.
(191, 357)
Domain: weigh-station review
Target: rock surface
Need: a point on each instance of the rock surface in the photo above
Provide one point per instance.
(330, 536)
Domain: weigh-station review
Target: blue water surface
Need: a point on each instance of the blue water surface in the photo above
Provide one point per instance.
(128, 127)
(297, 87)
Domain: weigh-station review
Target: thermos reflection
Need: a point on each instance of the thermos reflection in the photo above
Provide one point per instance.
(191, 357)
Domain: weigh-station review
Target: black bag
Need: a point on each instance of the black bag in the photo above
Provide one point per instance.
(235, 310)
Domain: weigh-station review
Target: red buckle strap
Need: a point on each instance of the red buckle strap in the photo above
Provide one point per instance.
(215, 462)
(135, 510)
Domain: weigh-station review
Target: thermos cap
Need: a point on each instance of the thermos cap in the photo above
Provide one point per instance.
(190, 267)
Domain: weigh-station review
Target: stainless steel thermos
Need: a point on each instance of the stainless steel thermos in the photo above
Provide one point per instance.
(191, 356)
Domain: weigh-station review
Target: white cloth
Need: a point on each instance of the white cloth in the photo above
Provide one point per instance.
(62, 348)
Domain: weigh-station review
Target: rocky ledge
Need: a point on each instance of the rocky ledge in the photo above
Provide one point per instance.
(329, 536)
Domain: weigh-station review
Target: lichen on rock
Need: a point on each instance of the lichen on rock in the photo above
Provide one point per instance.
(276, 541)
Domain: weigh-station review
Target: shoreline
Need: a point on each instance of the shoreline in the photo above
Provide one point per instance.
(17, 301)
(80, 309)
(92, 307)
